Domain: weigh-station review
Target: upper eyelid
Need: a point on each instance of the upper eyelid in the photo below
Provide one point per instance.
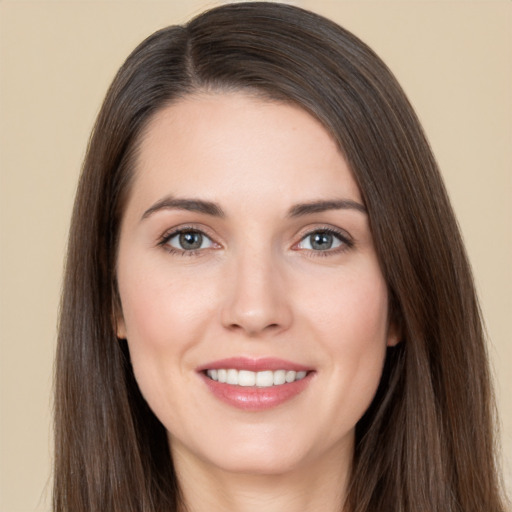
(174, 234)
(347, 241)
(164, 239)
(342, 233)
(171, 232)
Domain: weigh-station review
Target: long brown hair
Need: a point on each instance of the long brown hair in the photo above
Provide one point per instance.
(426, 443)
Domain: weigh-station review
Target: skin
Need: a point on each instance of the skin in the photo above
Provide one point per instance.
(256, 288)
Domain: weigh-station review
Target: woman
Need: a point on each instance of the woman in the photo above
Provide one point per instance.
(267, 303)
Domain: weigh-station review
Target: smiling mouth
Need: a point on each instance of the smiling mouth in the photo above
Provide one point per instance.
(256, 384)
(262, 379)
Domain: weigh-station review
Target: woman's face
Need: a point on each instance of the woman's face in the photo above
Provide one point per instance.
(246, 256)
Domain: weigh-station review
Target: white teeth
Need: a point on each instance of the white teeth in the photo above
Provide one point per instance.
(279, 377)
(262, 379)
(232, 377)
(290, 376)
(265, 379)
(246, 378)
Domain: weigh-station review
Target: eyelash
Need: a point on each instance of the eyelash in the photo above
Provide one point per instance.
(166, 237)
(346, 241)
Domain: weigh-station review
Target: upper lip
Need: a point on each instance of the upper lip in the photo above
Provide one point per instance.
(253, 364)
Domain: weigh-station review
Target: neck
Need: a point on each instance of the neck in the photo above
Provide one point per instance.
(317, 486)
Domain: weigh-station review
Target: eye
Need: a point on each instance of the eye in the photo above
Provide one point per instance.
(188, 240)
(324, 240)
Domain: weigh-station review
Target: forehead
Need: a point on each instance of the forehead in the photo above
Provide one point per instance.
(235, 146)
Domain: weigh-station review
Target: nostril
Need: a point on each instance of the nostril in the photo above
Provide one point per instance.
(253, 329)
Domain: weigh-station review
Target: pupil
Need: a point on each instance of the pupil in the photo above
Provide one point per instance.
(321, 241)
(191, 240)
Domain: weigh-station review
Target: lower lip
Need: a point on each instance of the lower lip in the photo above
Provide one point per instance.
(254, 398)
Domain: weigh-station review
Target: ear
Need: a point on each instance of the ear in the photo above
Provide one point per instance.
(118, 323)
(393, 338)
(395, 334)
(120, 327)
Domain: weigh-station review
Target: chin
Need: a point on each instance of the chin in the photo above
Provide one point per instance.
(261, 463)
(251, 451)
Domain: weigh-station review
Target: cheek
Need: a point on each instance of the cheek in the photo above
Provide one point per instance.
(350, 320)
(351, 308)
(162, 324)
(164, 316)
(361, 325)
(160, 305)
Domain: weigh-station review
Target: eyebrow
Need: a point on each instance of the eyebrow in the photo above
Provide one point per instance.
(213, 209)
(321, 206)
(191, 205)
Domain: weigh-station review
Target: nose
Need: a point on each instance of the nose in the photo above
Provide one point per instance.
(256, 300)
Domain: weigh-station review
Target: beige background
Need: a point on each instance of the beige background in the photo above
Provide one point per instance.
(454, 59)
